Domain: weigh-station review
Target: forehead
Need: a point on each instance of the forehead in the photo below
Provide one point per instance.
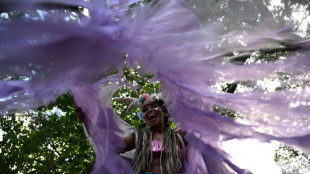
(149, 104)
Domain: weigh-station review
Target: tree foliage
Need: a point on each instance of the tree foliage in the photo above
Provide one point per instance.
(292, 160)
(141, 84)
(49, 139)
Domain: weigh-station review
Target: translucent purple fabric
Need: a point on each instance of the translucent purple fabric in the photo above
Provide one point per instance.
(188, 54)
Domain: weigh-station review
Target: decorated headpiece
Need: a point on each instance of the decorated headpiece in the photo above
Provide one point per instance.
(143, 100)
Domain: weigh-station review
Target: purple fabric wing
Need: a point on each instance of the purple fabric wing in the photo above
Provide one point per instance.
(103, 129)
(189, 53)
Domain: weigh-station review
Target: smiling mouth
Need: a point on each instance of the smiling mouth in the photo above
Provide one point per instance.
(152, 117)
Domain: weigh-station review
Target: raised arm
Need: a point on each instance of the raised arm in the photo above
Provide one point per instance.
(79, 113)
(130, 143)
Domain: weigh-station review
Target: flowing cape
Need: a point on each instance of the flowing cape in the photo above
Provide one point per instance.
(62, 51)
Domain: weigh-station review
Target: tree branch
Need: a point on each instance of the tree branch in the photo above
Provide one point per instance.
(8, 6)
(54, 148)
(288, 45)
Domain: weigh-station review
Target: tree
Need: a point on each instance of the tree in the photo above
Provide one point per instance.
(291, 160)
(49, 139)
(142, 84)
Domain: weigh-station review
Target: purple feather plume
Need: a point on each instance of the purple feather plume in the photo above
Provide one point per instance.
(189, 57)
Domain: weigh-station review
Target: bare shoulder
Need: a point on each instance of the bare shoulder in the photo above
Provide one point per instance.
(181, 133)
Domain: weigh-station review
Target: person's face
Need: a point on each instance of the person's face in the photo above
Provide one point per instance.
(153, 114)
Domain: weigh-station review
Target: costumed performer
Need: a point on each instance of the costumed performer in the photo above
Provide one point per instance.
(159, 149)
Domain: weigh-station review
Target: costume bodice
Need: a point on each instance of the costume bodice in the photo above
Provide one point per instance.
(157, 145)
(147, 148)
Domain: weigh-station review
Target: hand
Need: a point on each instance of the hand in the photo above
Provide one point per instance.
(80, 114)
